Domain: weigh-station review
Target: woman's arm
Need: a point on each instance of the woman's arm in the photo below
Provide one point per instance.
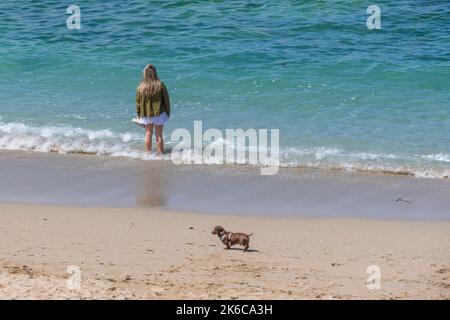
(166, 100)
(138, 103)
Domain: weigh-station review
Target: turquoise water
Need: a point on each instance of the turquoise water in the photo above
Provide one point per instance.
(341, 95)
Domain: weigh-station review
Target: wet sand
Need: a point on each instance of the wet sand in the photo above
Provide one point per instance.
(82, 180)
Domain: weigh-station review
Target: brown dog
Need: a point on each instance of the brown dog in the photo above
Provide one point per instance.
(231, 238)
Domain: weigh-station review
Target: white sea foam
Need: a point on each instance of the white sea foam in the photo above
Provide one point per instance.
(442, 157)
(18, 136)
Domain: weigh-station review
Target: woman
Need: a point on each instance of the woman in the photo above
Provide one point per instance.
(152, 107)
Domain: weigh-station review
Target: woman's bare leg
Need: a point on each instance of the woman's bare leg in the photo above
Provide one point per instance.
(159, 139)
(148, 137)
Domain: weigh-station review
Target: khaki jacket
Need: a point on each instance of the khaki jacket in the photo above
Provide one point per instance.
(153, 106)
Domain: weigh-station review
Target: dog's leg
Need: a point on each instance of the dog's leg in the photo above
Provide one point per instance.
(245, 243)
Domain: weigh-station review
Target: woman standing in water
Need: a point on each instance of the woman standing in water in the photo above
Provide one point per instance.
(152, 107)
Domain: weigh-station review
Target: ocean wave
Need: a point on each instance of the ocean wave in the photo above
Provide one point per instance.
(335, 158)
(19, 136)
(441, 157)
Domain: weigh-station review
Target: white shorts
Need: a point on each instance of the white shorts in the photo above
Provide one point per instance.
(157, 121)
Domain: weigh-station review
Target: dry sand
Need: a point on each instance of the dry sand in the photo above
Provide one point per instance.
(150, 254)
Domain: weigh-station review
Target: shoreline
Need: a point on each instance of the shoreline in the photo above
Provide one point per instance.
(80, 180)
(141, 155)
(137, 253)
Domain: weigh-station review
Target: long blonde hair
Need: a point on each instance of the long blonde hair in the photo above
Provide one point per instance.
(150, 83)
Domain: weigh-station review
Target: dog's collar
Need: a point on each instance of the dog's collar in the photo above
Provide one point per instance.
(222, 235)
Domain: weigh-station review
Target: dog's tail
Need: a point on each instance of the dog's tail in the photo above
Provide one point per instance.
(250, 234)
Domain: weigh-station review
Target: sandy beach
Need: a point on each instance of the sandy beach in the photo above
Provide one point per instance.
(105, 181)
(142, 230)
(153, 254)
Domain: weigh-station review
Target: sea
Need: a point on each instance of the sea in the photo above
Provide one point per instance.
(342, 95)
